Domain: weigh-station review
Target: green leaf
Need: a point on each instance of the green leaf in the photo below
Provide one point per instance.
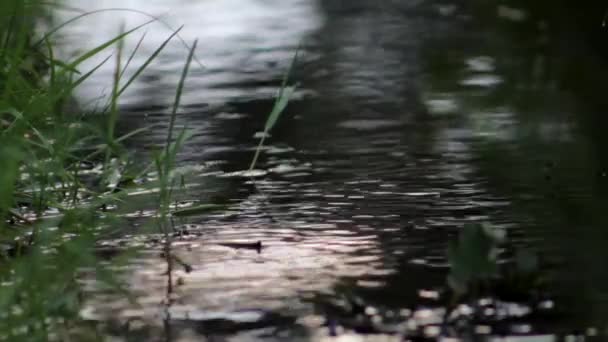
(473, 257)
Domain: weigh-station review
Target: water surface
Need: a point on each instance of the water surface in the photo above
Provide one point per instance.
(410, 120)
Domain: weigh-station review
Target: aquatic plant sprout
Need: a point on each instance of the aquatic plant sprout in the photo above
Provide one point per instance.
(281, 101)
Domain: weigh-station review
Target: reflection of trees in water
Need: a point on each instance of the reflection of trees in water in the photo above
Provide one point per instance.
(371, 60)
(370, 52)
(551, 165)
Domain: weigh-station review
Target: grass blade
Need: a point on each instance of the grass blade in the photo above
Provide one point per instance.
(81, 79)
(285, 93)
(178, 94)
(133, 53)
(148, 61)
(279, 107)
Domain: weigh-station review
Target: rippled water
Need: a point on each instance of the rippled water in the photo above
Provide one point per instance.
(410, 120)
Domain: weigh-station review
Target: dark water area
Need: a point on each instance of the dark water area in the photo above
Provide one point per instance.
(411, 120)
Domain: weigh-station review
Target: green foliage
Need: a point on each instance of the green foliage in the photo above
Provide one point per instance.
(165, 161)
(278, 108)
(8, 177)
(473, 257)
(285, 93)
(45, 145)
(39, 292)
(474, 264)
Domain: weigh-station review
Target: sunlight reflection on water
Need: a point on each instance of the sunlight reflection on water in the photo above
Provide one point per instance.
(239, 39)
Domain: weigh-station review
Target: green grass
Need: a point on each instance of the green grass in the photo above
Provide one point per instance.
(282, 99)
(45, 144)
(165, 163)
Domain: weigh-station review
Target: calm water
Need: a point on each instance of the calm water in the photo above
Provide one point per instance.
(410, 121)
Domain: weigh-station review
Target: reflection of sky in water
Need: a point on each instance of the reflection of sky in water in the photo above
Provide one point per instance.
(472, 99)
(238, 39)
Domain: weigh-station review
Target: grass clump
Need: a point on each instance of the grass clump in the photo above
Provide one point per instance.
(61, 170)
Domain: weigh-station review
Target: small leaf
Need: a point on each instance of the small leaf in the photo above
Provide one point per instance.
(473, 257)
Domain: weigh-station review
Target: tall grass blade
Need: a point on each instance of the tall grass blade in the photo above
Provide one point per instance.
(51, 61)
(279, 107)
(148, 61)
(133, 53)
(281, 102)
(178, 93)
(109, 169)
(68, 90)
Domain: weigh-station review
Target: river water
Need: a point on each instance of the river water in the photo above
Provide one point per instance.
(410, 120)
